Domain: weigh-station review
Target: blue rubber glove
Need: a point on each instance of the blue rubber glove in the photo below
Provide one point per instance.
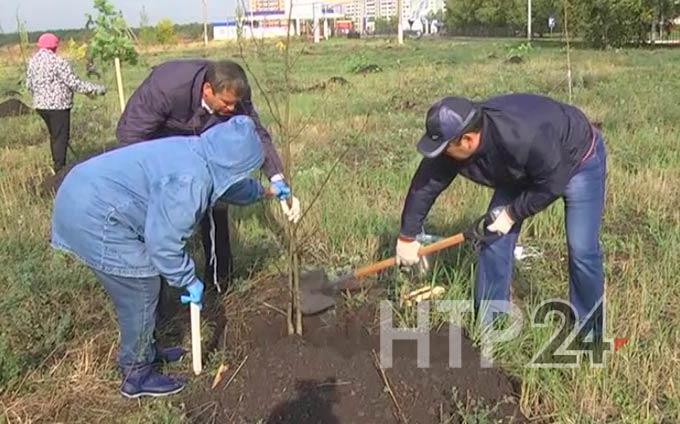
(195, 291)
(281, 189)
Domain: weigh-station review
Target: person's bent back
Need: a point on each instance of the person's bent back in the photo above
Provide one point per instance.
(127, 214)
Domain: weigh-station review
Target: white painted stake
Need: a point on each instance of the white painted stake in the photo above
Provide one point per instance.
(529, 19)
(205, 23)
(400, 23)
(119, 80)
(196, 338)
(317, 31)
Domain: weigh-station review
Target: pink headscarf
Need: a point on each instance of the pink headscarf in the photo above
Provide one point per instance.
(48, 41)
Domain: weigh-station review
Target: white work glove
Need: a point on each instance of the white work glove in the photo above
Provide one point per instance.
(293, 211)
(407, 252)
(282, 191)
(502, 224)
(407, 255)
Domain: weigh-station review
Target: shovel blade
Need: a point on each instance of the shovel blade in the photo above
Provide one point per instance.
(315, 296)
(318, 294)
(315, 303)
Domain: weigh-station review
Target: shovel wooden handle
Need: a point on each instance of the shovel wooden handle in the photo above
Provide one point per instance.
(196, 354)
(425, 250)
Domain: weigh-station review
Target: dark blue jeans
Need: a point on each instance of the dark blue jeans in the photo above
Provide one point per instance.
(584, 206)
(135, 300)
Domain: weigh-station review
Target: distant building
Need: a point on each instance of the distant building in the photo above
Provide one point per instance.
(268, 18)
(266, 5)
(224, 30)
(369, 10)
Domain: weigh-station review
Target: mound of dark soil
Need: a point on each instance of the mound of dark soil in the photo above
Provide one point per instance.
(332, 375)
(407, 105)
(371, 68)
(11, 93)
(514, 60)
(332, 82)
(51, 182)
(13, 107)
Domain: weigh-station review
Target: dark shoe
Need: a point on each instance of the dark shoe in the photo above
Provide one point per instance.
(142, 380)
(169, 354)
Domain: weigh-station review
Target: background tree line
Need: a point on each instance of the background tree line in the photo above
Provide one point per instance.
(600, 23)
(164, 32)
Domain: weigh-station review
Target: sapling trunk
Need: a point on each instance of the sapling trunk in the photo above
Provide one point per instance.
(295, 317)
(280, 108)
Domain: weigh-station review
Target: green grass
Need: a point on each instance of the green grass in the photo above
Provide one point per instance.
(58, 339)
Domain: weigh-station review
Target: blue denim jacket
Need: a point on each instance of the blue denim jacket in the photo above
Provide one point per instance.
(130, 212)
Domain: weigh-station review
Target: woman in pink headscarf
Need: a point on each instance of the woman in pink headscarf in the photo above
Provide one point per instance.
(52, 82)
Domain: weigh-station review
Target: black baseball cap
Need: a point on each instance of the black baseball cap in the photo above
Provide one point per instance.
(446, 120)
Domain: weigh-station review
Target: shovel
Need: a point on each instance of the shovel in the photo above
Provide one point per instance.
(317, 293)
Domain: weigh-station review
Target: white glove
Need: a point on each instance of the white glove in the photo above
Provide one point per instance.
(407, 255)
(407, 252)
(292, 212)
(502, 224)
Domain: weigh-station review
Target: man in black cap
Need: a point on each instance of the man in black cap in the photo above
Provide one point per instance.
(532, 150)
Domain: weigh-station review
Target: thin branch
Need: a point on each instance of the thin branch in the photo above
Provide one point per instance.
(31, 374)
(302, 128)
(235, 372)
(337, 383)
(299, 56)
(274, 308)
(273, 109)
(330, 173)
(320, 191)
(398, 413)
(306, 237)
(201, 409)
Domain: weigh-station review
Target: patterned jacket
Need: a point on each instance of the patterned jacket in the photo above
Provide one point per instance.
(52, 82)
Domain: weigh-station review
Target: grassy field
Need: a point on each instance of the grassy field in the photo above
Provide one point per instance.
(58, 339)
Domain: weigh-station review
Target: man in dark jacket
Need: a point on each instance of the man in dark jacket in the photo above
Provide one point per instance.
(532, 150)
(186, 97)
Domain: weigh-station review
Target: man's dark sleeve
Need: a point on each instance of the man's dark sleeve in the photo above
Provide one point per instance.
(272, 161)
(549, 175)
(144, 114)
(432, 177)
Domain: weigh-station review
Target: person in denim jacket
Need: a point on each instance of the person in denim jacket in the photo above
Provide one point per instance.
(128, 213)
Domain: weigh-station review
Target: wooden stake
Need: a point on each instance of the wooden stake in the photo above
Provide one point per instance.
(119, 81)
(235, 372)
(400, 23)
(566, 35)
(296, 273)
(196, 338)
(205, 23)
(317, 30)
(529, 30)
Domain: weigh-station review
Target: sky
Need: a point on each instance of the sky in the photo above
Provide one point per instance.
(65, 14)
